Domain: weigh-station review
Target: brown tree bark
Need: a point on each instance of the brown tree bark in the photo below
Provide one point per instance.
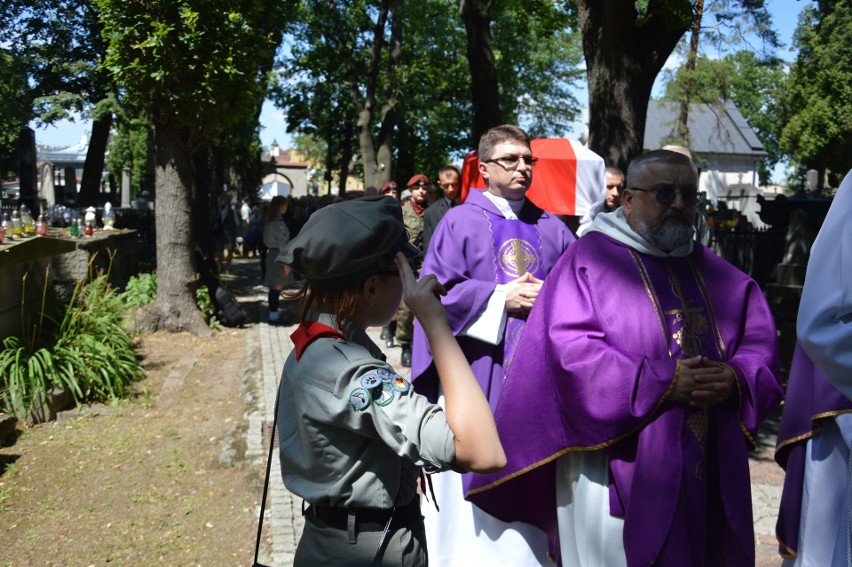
(175, 240)
(90, 186)
(390, 111)
(623, 58)
(483, 72)
(691, 58)
(345, 156)
(377, 164)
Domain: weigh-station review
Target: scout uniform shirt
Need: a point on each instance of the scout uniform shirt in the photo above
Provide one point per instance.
(352, 432)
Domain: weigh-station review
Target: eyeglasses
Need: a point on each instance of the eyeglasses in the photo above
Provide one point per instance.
(666, 194)
(512, 162)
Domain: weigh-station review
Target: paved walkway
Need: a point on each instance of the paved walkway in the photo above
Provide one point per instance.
(283, 522)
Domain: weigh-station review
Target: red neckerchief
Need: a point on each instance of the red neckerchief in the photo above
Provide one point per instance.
(306, 333)
(418, 209)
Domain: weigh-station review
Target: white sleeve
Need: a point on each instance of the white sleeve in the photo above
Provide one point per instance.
(489, 324)
(824, 324)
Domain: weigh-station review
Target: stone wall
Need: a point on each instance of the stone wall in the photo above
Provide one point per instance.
(28, 265)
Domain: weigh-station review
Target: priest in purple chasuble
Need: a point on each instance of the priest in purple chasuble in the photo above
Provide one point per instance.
(636, 390)
(492, 254)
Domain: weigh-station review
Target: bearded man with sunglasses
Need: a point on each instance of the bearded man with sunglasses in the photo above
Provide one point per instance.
(491, 253)
(637, 388)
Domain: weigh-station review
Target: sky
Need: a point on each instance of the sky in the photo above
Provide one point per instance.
(785, 15)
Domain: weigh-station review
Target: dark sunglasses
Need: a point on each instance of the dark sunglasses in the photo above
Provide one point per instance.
(666, 194)
(511, 162)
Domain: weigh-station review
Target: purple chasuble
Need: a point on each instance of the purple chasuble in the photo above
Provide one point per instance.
(517, 251)
(593, 371)
(473, 249)
(810, 399)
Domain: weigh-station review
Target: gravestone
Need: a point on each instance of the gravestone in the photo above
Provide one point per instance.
(125, 188)
(71, 184)
(27, 173)
(48, 187)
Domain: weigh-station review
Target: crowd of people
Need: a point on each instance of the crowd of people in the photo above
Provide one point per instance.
(579, 401)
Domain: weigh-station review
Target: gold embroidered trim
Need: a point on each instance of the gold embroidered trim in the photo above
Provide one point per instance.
(693, 323)
(702, 287)
(646, 281)
(788, 552)
(815, 430)
(742, 425)
(494, 253)
(567, 450)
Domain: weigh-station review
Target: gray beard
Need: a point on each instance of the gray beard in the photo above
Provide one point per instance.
(667, 235)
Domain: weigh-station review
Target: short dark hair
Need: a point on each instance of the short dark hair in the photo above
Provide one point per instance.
(499, 135)
(447, 168)
(614, 171)
(657, 156)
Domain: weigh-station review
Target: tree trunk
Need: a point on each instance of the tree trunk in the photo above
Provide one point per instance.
(90, 186)
(345, 156)
(368, 150)
(390, 111)
(204, 202)
(483, 72)
(622, 61)
(407, 146)
(365, 104)
(175, 240)
(686, 95)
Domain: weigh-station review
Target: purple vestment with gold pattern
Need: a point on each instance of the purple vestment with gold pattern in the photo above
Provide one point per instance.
(593, 371)
(474, 248)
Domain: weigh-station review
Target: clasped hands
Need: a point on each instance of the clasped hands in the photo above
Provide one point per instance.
(521, 293)
(703, 382)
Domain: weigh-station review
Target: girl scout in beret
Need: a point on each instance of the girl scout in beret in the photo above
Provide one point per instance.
(353, 434)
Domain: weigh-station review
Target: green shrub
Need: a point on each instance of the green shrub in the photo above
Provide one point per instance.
(87, 353)
(140, 290)
(206, 305)
(93, 337)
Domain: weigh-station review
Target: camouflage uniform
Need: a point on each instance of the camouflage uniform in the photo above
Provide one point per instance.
(404, 317)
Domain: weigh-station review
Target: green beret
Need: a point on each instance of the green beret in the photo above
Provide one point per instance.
(348, 241)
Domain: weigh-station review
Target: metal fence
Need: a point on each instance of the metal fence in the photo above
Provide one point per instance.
(754, 251)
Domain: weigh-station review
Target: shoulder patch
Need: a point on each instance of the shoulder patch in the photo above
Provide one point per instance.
(385, 395)
(371, 380)
(400, 384)
(360, 399)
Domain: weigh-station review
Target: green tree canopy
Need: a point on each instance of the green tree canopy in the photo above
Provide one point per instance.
(626, 44)
(818, 97)
(424, 88)
(59, 49)
(753, 85)
(14, 110)
(197, 70)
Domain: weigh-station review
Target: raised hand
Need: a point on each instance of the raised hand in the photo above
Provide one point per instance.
(422, 296)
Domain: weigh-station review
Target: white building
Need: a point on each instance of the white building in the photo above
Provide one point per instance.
(722, 143)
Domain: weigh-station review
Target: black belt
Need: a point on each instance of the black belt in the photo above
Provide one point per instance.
(367, 519)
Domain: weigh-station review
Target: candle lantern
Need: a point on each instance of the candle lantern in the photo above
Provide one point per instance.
(90, 215)
(16, 224)
(108, 217)
(41, 226)
(27, 222)
(6, 225)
